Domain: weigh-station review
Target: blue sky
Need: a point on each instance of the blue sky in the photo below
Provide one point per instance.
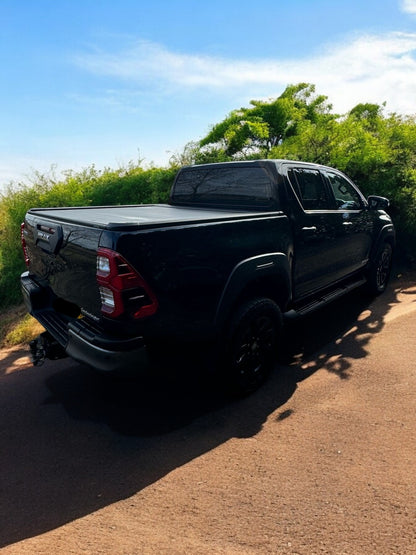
(103, 82)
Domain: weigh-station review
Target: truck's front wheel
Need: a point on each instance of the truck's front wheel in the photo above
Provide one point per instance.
(380, 271)
(251, 344)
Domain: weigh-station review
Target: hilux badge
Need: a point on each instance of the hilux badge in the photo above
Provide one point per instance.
(43, 236)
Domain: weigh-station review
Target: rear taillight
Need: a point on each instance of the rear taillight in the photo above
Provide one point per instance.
(24, 246)
(122, 288)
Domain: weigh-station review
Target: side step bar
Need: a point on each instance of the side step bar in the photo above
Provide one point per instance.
(325, 299)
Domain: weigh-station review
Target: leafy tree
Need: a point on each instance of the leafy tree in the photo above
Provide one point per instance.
(258, 129)
(194, 154)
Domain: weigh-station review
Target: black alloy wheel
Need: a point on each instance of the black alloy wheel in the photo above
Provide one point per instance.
(384, 267)
(380, 272)
(252, 346)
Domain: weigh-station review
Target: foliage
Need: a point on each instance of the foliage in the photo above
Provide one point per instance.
(133, 186)
(193, 153)
(266, 124)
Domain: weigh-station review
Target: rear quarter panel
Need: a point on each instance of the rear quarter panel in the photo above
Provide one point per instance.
(188, 266)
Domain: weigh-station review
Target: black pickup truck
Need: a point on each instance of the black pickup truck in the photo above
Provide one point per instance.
(239, 245)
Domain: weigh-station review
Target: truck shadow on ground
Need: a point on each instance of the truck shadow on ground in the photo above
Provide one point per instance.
(73, 442)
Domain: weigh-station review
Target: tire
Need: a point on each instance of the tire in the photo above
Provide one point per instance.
(379, 273)
(250, 348)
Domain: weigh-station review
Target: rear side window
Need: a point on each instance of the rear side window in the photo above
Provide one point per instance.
(309, 188)
(248, 187)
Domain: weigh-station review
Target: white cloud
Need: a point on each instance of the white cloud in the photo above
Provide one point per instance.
(408, 6)
(371, 68)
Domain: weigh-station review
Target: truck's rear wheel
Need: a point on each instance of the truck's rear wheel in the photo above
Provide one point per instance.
(251, 345)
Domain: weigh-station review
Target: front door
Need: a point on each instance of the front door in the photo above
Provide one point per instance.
(355, 226)
(316, 249)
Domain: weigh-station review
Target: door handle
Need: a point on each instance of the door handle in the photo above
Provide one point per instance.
(309, 231)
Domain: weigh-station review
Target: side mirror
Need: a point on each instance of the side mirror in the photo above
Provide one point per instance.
(378, 203)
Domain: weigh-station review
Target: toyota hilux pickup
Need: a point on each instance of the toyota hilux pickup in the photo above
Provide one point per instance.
(239, 246)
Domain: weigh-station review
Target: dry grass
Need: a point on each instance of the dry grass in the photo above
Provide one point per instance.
(17, 326)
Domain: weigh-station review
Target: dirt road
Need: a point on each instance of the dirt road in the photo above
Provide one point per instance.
(321, 460)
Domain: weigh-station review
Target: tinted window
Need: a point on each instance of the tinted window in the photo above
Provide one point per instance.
(242, 186)
(309, 188)
(346, 196)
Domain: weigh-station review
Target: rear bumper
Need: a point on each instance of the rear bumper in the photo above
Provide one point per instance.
(107, 360)
(83, 340)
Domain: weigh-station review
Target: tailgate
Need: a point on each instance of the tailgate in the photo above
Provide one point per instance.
(63, 258)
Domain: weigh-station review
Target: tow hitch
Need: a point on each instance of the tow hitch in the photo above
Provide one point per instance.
(45, 346)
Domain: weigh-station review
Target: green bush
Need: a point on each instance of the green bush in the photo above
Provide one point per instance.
(133, 186)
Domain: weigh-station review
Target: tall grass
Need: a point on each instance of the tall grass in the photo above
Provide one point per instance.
(90, 187)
